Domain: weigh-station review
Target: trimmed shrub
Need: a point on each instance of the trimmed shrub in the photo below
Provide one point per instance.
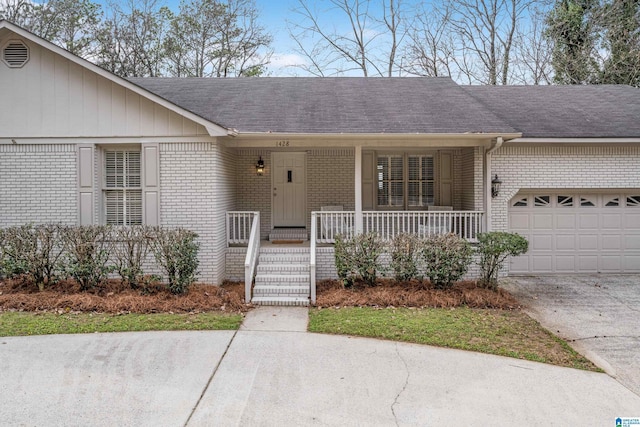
(404, 250)
(32, 251)
(87, 254)
(130, 250)
(447, 258)
(494, 248)
(357, 258)
(176, 252)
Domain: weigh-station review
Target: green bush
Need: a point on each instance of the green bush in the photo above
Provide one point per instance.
(130, 249)
(32, 251)
(357, 257)
(87, 251)
(404, 250)
(176, 252)
(447, 258)
(494, 248)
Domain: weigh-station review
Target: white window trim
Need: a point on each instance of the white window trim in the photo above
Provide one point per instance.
(405, 178)
(103, 184)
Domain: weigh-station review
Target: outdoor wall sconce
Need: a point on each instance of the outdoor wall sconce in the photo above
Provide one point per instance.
(495, 186)
(260, 166)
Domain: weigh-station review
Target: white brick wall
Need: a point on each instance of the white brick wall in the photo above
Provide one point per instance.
(38, 184)
(196, 189)
(561, 167)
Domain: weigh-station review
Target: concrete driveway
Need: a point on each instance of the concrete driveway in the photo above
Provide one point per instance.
(599, 314)
(273, 373)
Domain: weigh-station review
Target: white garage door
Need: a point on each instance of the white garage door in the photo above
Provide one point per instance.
(577, 233)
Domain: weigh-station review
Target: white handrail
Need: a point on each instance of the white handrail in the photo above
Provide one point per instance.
(312, 257)
(251, 260)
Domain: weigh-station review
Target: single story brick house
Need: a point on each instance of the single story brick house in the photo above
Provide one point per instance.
(250, 163)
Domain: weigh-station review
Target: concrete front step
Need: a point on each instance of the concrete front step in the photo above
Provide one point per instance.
(282, 279)
(288, 234)
(297, 301)
(281, 291)
(284, 269)
(281, 258)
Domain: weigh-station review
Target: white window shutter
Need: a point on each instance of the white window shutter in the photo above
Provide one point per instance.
(151, 183)
(86, 174)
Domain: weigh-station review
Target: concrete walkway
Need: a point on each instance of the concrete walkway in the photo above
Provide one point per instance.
(272, 373)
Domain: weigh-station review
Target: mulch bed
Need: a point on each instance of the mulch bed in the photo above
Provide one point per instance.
(389, 293)
(113, 297)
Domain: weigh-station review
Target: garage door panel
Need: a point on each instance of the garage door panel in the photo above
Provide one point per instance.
(588, 263)
(519, 221)
(587, 242)
(631, 263)
(566, 242)
(632, 221)
(610, 263)
(566, 221)
(612, 221)
(611, 241)
(542, 263)
(588, 221)
(632, 241)
(519, 264)
(565, 263)
(543, 221)
(541, 242)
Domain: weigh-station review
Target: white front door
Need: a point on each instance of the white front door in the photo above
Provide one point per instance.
(289, 185)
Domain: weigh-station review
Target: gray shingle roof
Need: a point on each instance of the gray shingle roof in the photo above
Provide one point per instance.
(330, 105)
(565, 111)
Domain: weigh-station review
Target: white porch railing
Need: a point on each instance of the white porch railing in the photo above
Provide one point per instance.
(466, 224)
(312, 257)
(239, 227)
(251, 260)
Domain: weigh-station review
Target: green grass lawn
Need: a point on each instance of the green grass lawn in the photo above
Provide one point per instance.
(505, 333)
(29, 323)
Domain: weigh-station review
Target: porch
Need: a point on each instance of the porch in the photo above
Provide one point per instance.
(286, 274)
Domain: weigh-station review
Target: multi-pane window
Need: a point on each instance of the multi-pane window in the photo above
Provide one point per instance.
(405, 181)
(122, 187)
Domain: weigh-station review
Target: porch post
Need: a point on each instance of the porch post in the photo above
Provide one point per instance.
(487, 193)
(358, 189)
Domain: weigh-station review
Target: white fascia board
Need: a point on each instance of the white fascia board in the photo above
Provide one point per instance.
(575, 141)
(105, 140)
(213, 128)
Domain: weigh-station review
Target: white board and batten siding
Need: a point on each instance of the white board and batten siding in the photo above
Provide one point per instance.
(577, 232)
(51, 96)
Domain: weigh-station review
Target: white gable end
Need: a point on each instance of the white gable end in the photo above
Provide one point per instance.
(51, 96)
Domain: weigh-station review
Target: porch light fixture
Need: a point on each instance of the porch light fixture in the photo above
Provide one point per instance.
(495, 186)
(260, 166)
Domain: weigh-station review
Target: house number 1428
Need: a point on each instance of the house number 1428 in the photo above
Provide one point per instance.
(282, 144)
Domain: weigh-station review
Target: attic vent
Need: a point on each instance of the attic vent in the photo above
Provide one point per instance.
(15, 54)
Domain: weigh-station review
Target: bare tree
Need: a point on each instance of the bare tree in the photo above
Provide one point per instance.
(365, 39)
(209, 38)
(131, 38)
(533, 52)
(431, 47)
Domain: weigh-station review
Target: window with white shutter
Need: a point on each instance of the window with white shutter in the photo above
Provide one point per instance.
(122, 187)
(405, 181)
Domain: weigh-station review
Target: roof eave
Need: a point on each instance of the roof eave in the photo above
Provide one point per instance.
(574, 140)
